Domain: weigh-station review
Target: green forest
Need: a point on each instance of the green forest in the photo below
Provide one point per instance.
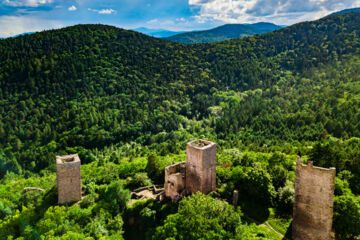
(128, 103)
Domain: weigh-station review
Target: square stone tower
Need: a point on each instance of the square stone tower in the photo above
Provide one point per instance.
(313, 204)
(200, 166)
(68, 178)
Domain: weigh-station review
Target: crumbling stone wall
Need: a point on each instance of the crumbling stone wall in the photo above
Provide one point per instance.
(175, 176)
(200, 166)
(68, 178)
(313, 205)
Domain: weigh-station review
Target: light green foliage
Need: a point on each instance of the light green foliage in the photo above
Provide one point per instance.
(254, 183)
(255, 232)
(59, 220)
(201, 217)
(139, 180)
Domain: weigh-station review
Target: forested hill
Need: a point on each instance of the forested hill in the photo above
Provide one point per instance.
(224, 32)
(91, 86)
(128, 103)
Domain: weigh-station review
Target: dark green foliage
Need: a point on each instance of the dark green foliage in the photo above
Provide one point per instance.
(343, 155)
(116, 196)
(346, 216)
(91, 86)
(286, 199)
(151, 166)
(279, 176)
(143, 217)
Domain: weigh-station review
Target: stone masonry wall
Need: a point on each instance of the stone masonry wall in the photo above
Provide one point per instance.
(200, 166)
(68, 178)
(313, 204)
(175, 180)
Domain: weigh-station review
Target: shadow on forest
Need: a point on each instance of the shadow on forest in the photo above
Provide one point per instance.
(288, 234)
(255, 211)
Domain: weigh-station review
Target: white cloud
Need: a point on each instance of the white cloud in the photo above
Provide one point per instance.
(72, 8)
(13, 25)
(107, 11)
(152, 21)
(26, 3)
(163, 24)
(103, 11)
(278, 11)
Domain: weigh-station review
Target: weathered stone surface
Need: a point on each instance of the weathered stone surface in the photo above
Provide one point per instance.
(68, 178)
(235, 198)
(313, 205)
(200, 166)
(175, 176)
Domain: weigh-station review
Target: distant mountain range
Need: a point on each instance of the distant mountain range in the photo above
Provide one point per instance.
(221, 33)
(17, 35)
(351, 10)
(224, 32)
(159, 33)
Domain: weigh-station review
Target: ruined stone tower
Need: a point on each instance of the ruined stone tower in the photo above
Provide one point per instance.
(200, 166)
(175, 176)
(313, 204)
(68, 178)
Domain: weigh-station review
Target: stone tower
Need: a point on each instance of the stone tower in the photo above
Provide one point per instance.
(200, 166)
(313, 204)
(68, 178)
(175, 176)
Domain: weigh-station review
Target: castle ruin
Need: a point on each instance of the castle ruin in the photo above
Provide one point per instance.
(68, 178)
(175, 180)
(197, 174)
(200, 166)
(313, 204)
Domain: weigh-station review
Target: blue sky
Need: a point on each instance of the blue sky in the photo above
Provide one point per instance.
(18, 16)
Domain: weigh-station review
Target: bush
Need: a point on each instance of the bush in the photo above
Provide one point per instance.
(140, 179)
(30, 198)
(117, 197)
(286, 199)
(201, 217)
(254, 183)
(279, 176)
(346, 216)
(88, 200)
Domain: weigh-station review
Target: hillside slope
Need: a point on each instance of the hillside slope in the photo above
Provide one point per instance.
(95, 85)
(225, 32)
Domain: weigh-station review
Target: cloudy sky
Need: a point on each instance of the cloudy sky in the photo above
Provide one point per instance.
(18, 16)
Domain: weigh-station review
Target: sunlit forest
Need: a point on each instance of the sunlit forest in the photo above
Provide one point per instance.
(128, 103)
